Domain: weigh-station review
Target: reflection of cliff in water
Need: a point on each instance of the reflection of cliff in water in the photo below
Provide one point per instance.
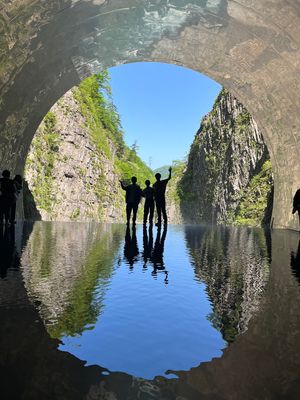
(62, 265)
(234, 264)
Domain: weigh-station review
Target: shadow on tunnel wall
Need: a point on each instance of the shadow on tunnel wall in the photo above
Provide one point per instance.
(31, 213)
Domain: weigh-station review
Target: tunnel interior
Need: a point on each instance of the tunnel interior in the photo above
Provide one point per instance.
(252, 49)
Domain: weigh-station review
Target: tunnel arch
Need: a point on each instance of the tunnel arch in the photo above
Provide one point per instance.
(250, 48)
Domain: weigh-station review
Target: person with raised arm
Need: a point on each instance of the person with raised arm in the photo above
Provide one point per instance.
(160, 187)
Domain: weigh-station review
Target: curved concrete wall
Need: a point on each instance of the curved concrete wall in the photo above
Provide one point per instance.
(251, 47)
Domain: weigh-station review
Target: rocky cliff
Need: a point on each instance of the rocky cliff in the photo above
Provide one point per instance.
(228, 176)
(77, 158)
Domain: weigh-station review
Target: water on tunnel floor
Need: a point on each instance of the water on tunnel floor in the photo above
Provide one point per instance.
(145, 301)
(183, 303)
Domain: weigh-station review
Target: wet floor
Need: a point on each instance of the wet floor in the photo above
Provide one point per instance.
(98, 311)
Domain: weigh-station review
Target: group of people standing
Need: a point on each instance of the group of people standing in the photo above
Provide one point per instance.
(10, 190)
(155, 195)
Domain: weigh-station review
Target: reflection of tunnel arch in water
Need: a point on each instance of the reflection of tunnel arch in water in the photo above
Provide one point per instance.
(244, 371)
(253, 50)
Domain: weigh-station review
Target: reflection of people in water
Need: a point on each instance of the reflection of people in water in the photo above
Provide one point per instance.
(18, 186)
(157, 256)
(296, 204)
(7, 249)
(147, 243)
(131, 250)
(295, 263)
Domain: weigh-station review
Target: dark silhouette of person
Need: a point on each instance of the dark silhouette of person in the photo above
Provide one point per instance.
(296, 203)
(147, 244)
(7, 196)
(7, 250)
(160, 199)
(295, 263)
(133, 197)
(157, 257)
(18, 185)
(148, 193)
(131, 249)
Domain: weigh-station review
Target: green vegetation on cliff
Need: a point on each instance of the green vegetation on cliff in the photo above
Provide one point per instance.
(103, 121)
(45, 146)
(78, 156)
(101, 118)
(174, 190)
(253, 207)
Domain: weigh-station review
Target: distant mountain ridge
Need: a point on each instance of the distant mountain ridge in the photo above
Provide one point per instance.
(164, 171)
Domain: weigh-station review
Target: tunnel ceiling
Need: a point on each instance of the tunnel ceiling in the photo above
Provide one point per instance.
(249, 46)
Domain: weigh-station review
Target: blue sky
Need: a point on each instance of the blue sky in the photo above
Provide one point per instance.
(161, 106)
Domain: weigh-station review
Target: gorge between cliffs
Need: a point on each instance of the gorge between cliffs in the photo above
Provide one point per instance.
(78, 156)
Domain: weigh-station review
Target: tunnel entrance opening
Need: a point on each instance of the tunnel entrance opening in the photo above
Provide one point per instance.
(222, 172)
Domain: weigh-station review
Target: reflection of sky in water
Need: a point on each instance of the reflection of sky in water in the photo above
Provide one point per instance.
(147, 326)
(145, 313)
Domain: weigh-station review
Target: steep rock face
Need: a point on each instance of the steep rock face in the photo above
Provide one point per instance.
(78, 157)
(227, 153)
(83, 181)
(173, 194)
